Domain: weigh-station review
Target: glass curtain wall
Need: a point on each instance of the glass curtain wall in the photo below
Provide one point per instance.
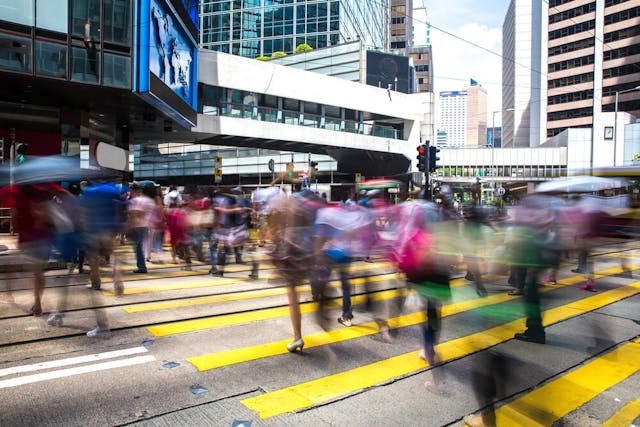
(95, 35)
(253, 28)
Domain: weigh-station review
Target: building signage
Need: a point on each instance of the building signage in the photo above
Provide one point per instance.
(167, 59)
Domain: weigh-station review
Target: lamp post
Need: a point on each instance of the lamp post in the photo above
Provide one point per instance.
(615, 121)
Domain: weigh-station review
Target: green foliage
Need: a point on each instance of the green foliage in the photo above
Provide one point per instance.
(278, 54)
(263, 58)
(303, 47)
(636, 157)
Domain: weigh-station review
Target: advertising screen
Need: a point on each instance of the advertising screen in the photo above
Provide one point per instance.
(166, 59)
(388, 71)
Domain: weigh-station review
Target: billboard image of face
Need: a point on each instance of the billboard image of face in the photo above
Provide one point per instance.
(170, 56)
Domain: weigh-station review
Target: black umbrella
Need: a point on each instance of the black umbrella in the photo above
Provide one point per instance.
(47, 169)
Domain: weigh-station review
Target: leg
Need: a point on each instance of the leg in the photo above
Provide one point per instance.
(535, 329)
(213, 254)
(141, 233)
(296, 319)
(347, 315)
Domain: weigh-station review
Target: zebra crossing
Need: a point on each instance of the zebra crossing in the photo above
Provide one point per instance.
(542, 404)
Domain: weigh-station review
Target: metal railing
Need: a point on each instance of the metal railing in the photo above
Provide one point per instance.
(273, 115)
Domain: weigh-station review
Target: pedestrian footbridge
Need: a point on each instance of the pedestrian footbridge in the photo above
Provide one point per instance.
(251, 103)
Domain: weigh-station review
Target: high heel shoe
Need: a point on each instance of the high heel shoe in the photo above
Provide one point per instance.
(294, 346)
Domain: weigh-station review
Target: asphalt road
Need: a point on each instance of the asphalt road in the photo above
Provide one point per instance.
(187, 348)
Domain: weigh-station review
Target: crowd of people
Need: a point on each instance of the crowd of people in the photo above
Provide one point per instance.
(309, 239)
(81, 223)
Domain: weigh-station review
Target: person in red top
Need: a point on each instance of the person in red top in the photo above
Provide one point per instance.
(178, 226)
(35, 234)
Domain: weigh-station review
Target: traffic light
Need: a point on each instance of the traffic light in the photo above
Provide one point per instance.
(2, 156)
(290, 169)
(313, 168)
(433, 158)
(423, 161)
(21, 153)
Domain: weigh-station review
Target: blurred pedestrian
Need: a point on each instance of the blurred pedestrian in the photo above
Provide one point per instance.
(140, 210)
(179, 236)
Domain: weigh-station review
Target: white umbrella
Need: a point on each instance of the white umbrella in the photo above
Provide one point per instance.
(579, 184)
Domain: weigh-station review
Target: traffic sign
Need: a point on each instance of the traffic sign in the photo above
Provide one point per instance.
(501, 191)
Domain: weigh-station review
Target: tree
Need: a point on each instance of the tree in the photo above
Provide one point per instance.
(636, 157)
(278, 54)
(303, 47)
(263, 58)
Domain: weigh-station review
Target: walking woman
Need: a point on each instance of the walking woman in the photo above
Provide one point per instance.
(292, 223)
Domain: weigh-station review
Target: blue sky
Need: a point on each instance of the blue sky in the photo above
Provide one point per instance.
(455, 62)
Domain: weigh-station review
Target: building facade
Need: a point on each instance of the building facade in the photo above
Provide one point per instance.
(476, 115)
(587, 50)
(84, 77)
(453, 117)
(401, 25)
(260, 27)
(463, 116)
(422, 57)
(523, 86)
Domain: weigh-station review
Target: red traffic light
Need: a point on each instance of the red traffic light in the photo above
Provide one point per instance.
(421, 149)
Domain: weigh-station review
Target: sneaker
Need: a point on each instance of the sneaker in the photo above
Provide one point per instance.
(99, 333)
(577, 270)
(515, 292)
(588, 287)
(138, 271)
(55, 319)
(92, 287)
(343, 321)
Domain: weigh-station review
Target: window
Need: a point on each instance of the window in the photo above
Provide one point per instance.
(117, 70)
(52, 15)
(85, 19)
(18, 11)
(85, 64)
(51, 59)
(15, 53)
(117, 22)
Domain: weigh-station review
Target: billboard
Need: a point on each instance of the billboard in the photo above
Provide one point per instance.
(167, 59)
(386, 70)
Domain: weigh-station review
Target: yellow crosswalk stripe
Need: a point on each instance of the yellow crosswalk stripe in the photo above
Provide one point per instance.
(270, 313)
(238, 296)
(626, 415)
(230, 357)
(554, 400)
(206, 283)
(252, 316)
(331, 387)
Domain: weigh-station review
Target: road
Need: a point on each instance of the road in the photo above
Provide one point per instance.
(188, 348)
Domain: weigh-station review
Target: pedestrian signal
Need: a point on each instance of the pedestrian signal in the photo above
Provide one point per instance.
(21, 153)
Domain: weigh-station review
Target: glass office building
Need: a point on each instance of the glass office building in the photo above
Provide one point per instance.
(253, 28)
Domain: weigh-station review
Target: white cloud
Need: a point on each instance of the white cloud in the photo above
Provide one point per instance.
(456, 61)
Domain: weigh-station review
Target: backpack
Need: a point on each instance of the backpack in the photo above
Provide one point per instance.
(416, 258)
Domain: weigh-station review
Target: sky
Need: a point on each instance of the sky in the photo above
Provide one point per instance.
(454, 61)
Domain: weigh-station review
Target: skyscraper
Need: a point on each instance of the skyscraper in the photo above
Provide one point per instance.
(463, 116)
(564, 61)
(523, 106)
(401, 29)
(253, 28)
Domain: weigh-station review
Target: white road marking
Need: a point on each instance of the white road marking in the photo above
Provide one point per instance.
(71, 361)
(44, 376)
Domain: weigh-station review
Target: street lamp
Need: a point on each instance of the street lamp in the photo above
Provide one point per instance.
(615, 121)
